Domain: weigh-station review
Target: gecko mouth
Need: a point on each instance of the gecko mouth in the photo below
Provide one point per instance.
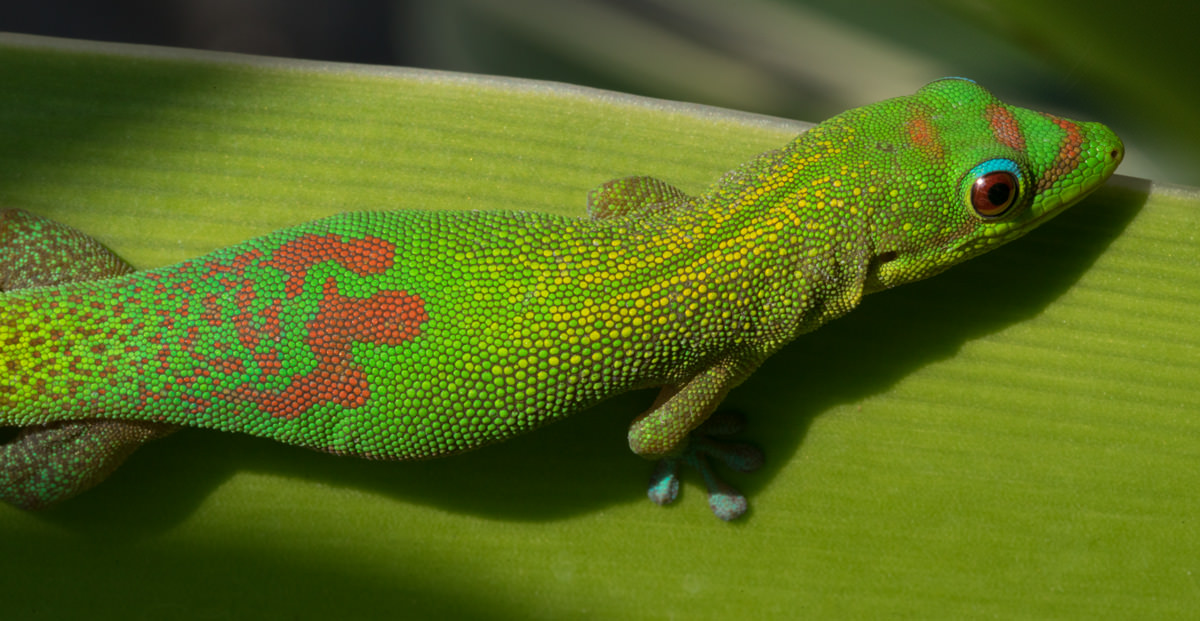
(874, 267)
(884, 257)
(880, 260)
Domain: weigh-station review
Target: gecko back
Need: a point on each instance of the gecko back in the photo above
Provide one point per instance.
(323, 336)
(398, 335)
(413, 334)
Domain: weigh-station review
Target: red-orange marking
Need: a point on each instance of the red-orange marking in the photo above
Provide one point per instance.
(1070, 148)
(924, 135)
(1005, 127)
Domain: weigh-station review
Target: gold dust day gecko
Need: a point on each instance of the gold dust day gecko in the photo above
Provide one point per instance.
(413, 334)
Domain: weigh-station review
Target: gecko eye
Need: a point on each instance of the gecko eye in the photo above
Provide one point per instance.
(993, 193)
(993, 188)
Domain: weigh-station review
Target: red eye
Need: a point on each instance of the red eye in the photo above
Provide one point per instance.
(994, 193)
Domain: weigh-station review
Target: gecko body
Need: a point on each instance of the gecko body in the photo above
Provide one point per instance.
(414, 334)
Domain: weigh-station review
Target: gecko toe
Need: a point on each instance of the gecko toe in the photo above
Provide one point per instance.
(664, 481)
(726, 502)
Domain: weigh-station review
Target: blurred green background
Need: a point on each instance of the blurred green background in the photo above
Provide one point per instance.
(1131, 65)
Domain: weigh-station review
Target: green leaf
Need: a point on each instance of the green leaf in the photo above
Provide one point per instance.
(1015, 438)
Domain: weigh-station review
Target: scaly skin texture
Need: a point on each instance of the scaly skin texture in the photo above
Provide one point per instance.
(416, 334)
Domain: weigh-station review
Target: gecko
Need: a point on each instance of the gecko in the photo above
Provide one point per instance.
(412, 334)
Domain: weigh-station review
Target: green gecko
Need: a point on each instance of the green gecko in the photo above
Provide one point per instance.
(416, 334)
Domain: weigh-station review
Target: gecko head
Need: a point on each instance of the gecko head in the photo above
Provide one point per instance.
(965, 173)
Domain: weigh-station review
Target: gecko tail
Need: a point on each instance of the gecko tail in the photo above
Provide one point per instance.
(48, 463)
(36, 254)
(39, 252)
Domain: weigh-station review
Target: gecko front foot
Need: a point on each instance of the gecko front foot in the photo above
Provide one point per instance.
(725, 501)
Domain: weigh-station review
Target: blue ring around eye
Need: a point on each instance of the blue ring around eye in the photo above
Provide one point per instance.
(987, 167)
(992, 165)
